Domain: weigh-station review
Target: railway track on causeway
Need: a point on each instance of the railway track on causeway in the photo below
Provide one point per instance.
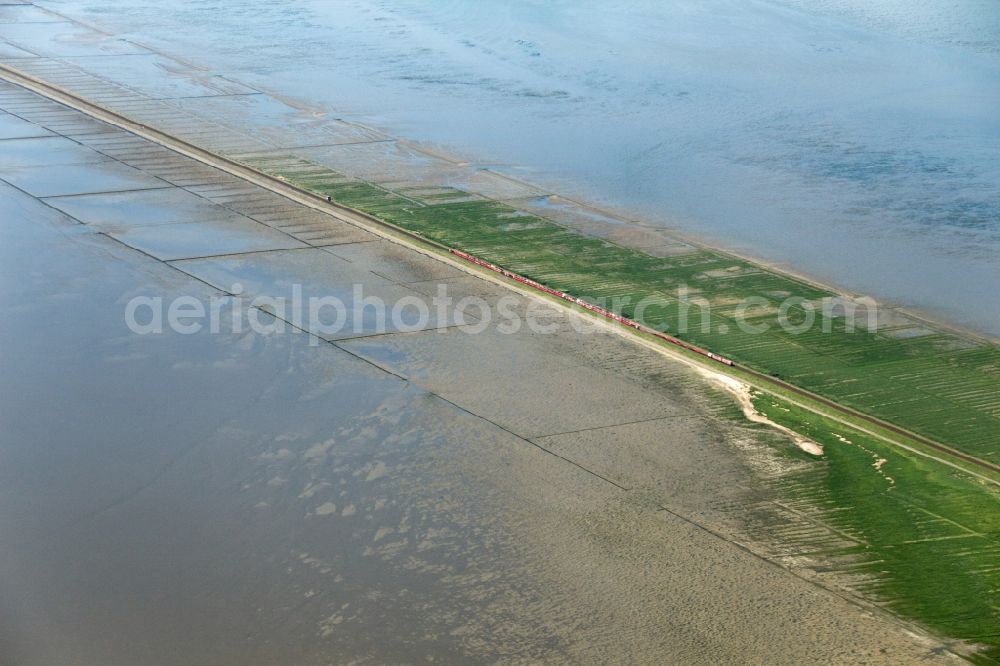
(761, 377)
(848, 415)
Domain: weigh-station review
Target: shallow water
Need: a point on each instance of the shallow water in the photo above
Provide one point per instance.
(853, 141)
(251, 496)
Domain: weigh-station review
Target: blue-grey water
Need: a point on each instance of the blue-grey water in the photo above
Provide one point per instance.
(853, 140)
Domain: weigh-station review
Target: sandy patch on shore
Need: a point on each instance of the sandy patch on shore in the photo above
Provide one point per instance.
(742, 393)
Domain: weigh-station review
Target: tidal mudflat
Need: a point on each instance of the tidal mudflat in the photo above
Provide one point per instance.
(379, 493)
(255, 498)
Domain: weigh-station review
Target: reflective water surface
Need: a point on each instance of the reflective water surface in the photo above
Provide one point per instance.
(852, 141)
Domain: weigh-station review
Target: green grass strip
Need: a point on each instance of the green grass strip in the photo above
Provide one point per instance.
(937, 384)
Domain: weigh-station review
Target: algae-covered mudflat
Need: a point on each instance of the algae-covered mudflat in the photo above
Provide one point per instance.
(923, 539)
(925, 379)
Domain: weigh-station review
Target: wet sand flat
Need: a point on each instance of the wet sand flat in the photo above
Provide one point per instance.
(259, 498)
(70, 179)
(12, 127)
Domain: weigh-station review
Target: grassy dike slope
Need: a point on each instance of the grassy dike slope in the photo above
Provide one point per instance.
(932, 382)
